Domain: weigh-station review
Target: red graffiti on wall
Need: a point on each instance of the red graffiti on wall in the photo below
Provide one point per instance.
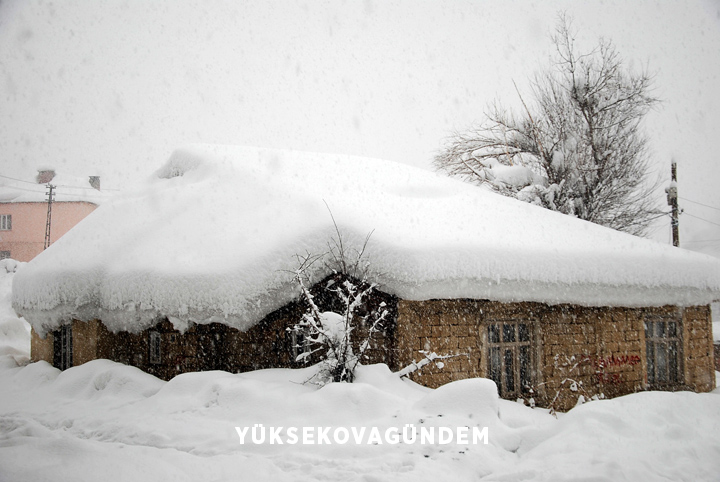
(601, 363)
(612, 378)
(612, 360)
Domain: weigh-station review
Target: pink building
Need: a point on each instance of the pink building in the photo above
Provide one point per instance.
(24, 210)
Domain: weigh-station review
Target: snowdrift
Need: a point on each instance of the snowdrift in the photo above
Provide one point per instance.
(110, 421)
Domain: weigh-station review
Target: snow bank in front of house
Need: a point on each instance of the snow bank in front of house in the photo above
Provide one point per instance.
(214, 235)
(103, 420)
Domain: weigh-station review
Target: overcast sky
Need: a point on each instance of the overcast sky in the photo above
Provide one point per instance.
(112, 87)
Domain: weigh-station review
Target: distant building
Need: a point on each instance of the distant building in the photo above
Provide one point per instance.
(193, 271)
(24, 210)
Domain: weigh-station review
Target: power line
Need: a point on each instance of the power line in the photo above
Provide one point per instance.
(659, 216)
(703, 241)
(18, 180)
(23, 189)
(58, 185)
(74, 187)
(701, 204)
(84, 187)
(701, 219)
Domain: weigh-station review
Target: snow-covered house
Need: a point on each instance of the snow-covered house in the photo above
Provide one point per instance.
(24, 210)
(193, 271)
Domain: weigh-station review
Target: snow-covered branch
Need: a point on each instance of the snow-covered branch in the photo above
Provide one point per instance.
(429, 357)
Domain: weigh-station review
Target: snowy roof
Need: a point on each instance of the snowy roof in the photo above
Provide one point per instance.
(213, 235)
(68, 188)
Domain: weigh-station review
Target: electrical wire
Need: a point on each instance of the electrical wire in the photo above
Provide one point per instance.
(702, 244)
(18, 180)
(701, 219)
(57, 185)
(24, 189)
(73, 187)
(701, 204)
(659, 216)
(703, 241)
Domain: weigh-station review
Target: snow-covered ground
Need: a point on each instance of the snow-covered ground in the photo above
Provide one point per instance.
(107, 421)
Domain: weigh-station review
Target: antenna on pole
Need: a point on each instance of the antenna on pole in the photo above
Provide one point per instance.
(672, 199)
(50, 195)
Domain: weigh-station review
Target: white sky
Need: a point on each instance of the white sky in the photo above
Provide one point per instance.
(112, 87)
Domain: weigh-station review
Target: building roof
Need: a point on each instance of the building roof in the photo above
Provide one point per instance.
(214, 235)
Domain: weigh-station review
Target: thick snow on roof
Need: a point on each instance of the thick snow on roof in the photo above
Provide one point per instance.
(214, 235)
(68, 188)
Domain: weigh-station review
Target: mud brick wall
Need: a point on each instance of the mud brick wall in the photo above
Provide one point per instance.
(268, 344)
(446, 327)
(698, 347)
(85, 341)
(602, 349)
(41, 349)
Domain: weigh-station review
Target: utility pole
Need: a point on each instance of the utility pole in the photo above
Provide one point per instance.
(50, 195)
(672, 199)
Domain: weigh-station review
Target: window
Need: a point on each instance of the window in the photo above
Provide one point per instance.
(4, 254)
(5, 222)
(154, 343)
(63, 347)
(510, 355)
(663, 345)
(299, 345)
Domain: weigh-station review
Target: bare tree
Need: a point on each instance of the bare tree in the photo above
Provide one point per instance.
(578, 148)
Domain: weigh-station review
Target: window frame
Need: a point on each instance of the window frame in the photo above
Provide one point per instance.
(63, 347)
(5, 222)
(298, 345)
(659, 338)
(512, 354)
(155, 347)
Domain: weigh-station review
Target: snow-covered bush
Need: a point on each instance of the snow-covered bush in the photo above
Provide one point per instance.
(332, 334)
